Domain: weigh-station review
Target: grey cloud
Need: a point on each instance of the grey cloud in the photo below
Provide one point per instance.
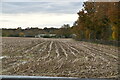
(43, 0)
(41, 7)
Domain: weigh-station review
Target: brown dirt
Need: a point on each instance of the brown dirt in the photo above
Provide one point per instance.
(58, 57)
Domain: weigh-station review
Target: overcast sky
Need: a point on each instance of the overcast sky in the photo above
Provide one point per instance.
(39, 14)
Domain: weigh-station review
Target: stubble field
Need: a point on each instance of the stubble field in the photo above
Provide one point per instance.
(58, 57)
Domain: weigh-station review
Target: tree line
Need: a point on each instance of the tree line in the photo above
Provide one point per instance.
(96, 21)
(63, 32)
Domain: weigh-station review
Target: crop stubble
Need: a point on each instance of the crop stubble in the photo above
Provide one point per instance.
(58, 57)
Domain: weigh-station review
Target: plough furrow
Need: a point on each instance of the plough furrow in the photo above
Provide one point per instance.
(69, 48)
(34, 47)
(57, 52)
(65, 53)
(50, 48)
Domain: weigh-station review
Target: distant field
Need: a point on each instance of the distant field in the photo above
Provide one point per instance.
(58, 57)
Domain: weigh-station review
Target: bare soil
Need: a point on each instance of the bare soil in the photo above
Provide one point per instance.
(58, 57)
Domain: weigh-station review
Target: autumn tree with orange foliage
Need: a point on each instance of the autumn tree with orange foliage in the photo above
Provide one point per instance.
(99, 20)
